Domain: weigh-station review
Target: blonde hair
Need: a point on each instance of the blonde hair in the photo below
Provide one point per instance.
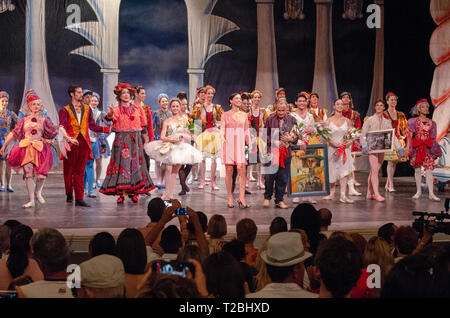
(262, 278)
(379, 252)
(27, 112)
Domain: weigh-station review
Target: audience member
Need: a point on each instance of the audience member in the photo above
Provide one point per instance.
(52, 253)
(203, 219)
(102, 243)
(284, 259)
(237, 249)
(19, 261)
(246, 231)
(325, 221)
(130, 249)
(170, 243)
(306, 217)
(102, 276)
(5, 233)
(339, 264)
(11, 224)
(416, 276)
(360, 242)
(155, 209)
(278, 225)
(306, 284)
(189, 252)
(20, 281)
(405, 241)
(217, 229)
(224, 277)
(387, 232)
(379, 252)
(169, 286)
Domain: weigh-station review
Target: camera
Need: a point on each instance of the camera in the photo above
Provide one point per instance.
(167, 203)
(8, 294)
(173, 268)
(181, 211)
(425, 218)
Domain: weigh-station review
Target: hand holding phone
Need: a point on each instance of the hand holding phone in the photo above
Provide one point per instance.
(181, 211)
(173, 268)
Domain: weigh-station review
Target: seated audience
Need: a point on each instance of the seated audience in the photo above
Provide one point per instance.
(217, 229)
(203, 219)
(52, 254)
(20, 281)
(189, 252)
(325, 221)
(155, 209)
(278, 225)
(339, 264)
(305, 217)
(130, 249)
(169, 286)
(224, 277)
(387, 233)
(405, 241)
(19, 261)
(5, 233)
(170, 243)
(102, 276)
(284, 259)
(246, 231)
(102, 243)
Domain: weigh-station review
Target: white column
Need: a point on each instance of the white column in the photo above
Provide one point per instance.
(267, 70)
(195, 81)
(378, 66)
(324, 82)
(36, 72)
(110, 80)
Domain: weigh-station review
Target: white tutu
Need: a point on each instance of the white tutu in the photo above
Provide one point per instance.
(173, 154)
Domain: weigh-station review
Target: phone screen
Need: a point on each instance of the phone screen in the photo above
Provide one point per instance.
(167, 203)
(173, 268)
(8, 294)
(181, 211)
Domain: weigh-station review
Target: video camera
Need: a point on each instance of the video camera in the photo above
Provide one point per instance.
(425, 218)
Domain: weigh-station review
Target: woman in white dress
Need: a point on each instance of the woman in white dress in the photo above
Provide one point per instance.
(373, 123)
(307, 119)
(173, 148)
(340, 163)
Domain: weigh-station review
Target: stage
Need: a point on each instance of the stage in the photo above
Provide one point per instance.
(79, 224)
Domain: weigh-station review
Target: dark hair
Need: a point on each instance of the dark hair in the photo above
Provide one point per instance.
(300, 95)
(203, 219)
(325, 217)
(11, 224)
(339, 263)
(235, 248)
(217, 226)
(360, 242)
(246, 96)
(130, 91)
(155, 209)
(406, 239)
(19, 248)
(386, 231)
(168, 286)
(278, 225)
(102, 243)
(170, 239)
(231, 97)
(224, 277)
(50, 248)
(314, 94)
(20, 281)
(279, 274)
(5, 233)
(72, 88)
(138, 88)
(246, 230)
(306, 217)
(416, 277)
(191, 251)
(341, 95)
(181, 95)
(379, 101)
(130, 248)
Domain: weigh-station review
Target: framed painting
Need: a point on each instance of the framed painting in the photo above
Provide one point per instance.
(379, 141)
(308, 174)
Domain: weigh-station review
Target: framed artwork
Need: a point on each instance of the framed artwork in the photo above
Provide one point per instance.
(308, 175)
(379, 141)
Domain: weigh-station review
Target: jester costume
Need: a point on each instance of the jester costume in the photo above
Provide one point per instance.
(400, 132)
(208, 142)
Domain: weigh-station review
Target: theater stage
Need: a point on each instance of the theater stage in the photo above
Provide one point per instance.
(80, 223)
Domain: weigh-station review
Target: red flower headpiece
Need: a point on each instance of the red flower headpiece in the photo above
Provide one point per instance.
(390, 94)
(31, 95)
(121, 86)
(421, 101)
(256, 92)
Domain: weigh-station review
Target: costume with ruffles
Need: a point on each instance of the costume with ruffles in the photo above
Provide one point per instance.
(424, 149)
(208, 142)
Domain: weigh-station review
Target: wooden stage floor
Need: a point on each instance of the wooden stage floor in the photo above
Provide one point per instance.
(105, 214)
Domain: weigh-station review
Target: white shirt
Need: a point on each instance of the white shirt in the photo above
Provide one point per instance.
(307, 121)
(282, 290)
(78, 116)
(47, 289)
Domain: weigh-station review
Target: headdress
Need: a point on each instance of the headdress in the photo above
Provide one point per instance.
(96, 95)
(4, 94)
(31, 95)
(209, 87)
(121, 86)
(256, 92)
(414, 111)
(162, 95)
(350, 96)
(390, 94)
(87, 92)
(307, 95)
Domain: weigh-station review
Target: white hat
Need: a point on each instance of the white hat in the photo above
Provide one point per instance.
(285, 249)
(103, 271)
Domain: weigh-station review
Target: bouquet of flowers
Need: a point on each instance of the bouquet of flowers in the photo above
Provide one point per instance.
(190, 126)
(323, 131)
(351, 135)
(299, 132)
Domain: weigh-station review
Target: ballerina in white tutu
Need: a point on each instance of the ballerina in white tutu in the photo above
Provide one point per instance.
(174, 148)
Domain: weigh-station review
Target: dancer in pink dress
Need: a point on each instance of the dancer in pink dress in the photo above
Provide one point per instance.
(234, 133)
(32, 153)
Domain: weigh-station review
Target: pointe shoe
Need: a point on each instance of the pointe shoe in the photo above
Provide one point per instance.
(389, 187)
(329, 197)
(252, 179)
(28, 205)
(379, 198)
(190, 180)
(432, 197)
(356, 183)
(266, 203)
(352, 191)
(370, 196)
(201, 185)
(417, 195)
(281, 205)
(213, 186)
(39, 198)
(310, 200)
(344, 199)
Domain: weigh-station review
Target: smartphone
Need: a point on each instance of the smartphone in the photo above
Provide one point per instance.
(167, 203)
(181, 211)
(173, 268)
(8, 294)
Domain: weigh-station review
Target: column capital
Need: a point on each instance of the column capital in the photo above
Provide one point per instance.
(195, 71)
(265, 1)
(323, 1)
(110, 70)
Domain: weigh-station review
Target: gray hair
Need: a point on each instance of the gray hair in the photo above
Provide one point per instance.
(50, 247)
